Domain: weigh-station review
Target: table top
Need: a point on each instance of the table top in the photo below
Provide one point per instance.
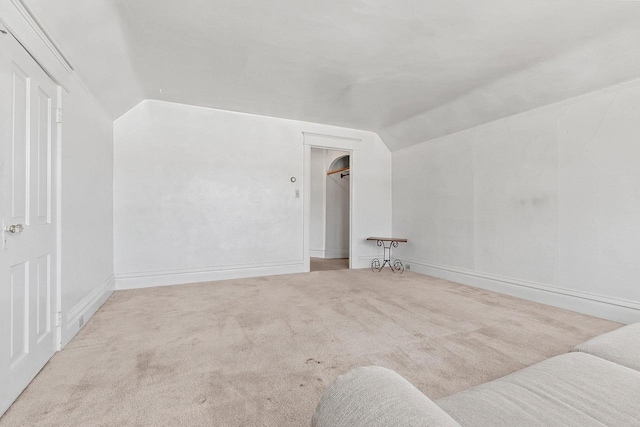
(388, 239)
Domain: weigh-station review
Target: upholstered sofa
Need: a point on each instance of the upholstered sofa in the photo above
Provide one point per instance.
(597, 383)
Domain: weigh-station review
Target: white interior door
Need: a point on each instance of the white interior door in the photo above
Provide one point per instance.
(27, 212)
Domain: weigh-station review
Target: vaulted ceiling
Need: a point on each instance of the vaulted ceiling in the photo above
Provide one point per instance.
(410, 70)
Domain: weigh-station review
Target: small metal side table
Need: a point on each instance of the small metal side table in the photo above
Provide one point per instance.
(387, 243)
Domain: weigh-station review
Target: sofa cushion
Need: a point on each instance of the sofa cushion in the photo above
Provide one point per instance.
(574, 389)
(621, 346)
(377, 397)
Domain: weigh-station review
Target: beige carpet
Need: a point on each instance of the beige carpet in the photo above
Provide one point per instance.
(260, 352)
(322, 264)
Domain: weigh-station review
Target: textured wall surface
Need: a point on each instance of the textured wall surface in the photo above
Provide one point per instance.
(87, 206)
(203, 194)
(548, 197)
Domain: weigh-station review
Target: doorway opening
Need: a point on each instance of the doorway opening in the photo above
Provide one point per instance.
(330, 193)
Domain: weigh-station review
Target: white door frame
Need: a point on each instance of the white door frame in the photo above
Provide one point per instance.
(329, 142)
(58, 208)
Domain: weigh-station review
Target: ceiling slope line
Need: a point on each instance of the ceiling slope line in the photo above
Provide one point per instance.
(35, 25)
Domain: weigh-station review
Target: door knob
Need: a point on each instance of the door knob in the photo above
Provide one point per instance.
(15, 229)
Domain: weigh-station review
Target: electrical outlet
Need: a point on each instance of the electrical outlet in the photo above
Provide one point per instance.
(81, 322)
(407, 266)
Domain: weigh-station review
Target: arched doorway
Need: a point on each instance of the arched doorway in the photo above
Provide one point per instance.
(337, 208)
(330, 209)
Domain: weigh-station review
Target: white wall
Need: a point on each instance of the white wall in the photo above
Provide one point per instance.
(543, 205)
(337, 208)
(87, 207)
(204, 194)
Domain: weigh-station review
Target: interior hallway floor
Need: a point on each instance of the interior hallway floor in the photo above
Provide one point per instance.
(326, 264)
(261, 351)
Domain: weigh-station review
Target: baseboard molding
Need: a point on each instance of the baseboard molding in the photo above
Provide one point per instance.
(86, 309)
(596, 305)
(316, 253)
(363, 261)
(179, 277)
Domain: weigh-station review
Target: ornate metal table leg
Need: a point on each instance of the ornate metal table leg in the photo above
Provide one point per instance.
(376, 266)
(396, 266)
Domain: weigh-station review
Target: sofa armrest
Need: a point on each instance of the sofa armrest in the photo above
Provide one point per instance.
(621, 346)
(377, 397)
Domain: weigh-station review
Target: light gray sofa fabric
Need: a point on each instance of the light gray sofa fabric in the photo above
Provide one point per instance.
(574, 389)
(620, 346)
(377, 397)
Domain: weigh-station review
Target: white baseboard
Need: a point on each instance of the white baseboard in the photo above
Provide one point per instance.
(179, 277)
(316, 253)
(596, 305)
(86, 309)
(363, 261)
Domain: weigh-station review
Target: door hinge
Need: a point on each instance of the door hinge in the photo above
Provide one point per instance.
(59, 319)
(59, 115)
